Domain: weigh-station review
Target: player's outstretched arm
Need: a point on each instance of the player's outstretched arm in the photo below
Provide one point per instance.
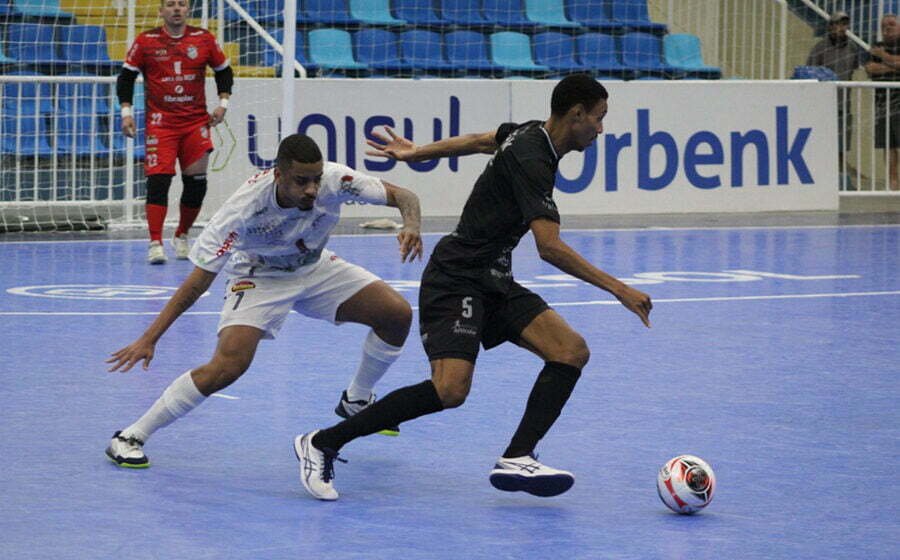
(194, 286)
(556, 252)
(410, 237)
(399, 148)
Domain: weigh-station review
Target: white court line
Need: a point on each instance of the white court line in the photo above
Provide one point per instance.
(224, 396)
(99, 313)
(731, 298)
(552, 304)
(564, 230)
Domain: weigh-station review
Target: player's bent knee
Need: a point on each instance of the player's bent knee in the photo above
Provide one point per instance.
(452, 395)
(575, 352)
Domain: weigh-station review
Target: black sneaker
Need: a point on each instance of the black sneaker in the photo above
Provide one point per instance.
(347, 408)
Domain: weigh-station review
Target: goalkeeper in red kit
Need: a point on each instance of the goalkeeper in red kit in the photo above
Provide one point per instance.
(173, 59)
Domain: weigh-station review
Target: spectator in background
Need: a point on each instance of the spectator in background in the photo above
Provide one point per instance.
(173, 59)
(842, 56)
(885, 67)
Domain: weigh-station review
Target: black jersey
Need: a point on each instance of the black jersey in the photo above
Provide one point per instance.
(515, 188)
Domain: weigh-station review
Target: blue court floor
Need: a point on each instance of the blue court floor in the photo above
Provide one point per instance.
(773, 355)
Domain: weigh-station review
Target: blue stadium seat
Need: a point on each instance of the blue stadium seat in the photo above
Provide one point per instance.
(378, 49)
(557, 51)
(83, 98)
(633, 14)
(468, 51)
(683, 51)
(598, 52)
(27, 98)
(548, 13)
(333, 49)
(417, 12)
(7, 9)
(326, 12)
(512, 51)
(263, 11)
(373, 12)
(78, 135)
(465, 13)
(3, 57)
(506, 13)
(643, 52)
(86, 45)
(23, 134)
(271, 58)
(821, 73)
(423, 50)
(31, 43)
(41, 8)
(591, 13)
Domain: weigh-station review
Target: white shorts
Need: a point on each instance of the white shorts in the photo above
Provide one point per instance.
(316, 291)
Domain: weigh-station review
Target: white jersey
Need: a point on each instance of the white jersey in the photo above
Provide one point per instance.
(254, 236)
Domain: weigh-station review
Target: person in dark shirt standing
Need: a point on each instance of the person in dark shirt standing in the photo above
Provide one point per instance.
(468, 296)
(885, 67)
(842, 56)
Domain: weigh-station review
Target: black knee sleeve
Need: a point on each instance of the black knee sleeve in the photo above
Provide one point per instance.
(158, 189)
(194, 190)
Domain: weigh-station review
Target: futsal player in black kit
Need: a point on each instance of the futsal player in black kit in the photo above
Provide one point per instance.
(468, 295)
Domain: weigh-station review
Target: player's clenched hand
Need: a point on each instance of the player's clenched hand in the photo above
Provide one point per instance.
(638, 302)
(410, 244)
(126, 358)
(217, 116)
(395, 147)
(128, 128)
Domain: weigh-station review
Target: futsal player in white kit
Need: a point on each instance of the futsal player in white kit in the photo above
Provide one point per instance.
(270, 239)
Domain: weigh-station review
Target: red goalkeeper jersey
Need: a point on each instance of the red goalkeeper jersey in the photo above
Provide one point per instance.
(174, 70)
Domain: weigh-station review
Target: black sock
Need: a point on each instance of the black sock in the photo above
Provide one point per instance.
(549, 395)
(399, 406)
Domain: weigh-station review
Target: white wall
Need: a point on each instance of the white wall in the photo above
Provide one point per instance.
(686, 128)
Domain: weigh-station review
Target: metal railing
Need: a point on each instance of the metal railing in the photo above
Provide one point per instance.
(869, 122)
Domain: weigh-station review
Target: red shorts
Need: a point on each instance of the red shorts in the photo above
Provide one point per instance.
(165, 145)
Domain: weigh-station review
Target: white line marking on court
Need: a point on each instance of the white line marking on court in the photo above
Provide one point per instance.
(552, 304)
(564, 230)
(731, 298)
(99, 313)
(224, 396)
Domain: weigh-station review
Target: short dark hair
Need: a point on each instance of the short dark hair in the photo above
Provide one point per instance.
(575, 89)
(297, 147)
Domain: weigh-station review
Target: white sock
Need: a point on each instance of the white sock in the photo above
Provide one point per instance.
(179, 398)
(377, 357)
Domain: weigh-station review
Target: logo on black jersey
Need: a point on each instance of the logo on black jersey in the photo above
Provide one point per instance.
(549, 202)
(459, 328)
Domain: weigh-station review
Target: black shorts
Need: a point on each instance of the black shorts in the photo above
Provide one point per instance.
(882, 132)
(456, 315)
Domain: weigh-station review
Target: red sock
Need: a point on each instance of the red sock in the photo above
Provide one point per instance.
(156, 217)
(186, 219)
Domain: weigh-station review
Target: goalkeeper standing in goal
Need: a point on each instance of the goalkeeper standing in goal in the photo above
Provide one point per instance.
(173, 59)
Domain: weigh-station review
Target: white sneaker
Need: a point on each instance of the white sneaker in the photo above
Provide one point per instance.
(156, 254)
(127, 452)
(180, 243)
(316, 467)
(527, 474)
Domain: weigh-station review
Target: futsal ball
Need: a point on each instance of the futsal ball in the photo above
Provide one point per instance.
(686, 484)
